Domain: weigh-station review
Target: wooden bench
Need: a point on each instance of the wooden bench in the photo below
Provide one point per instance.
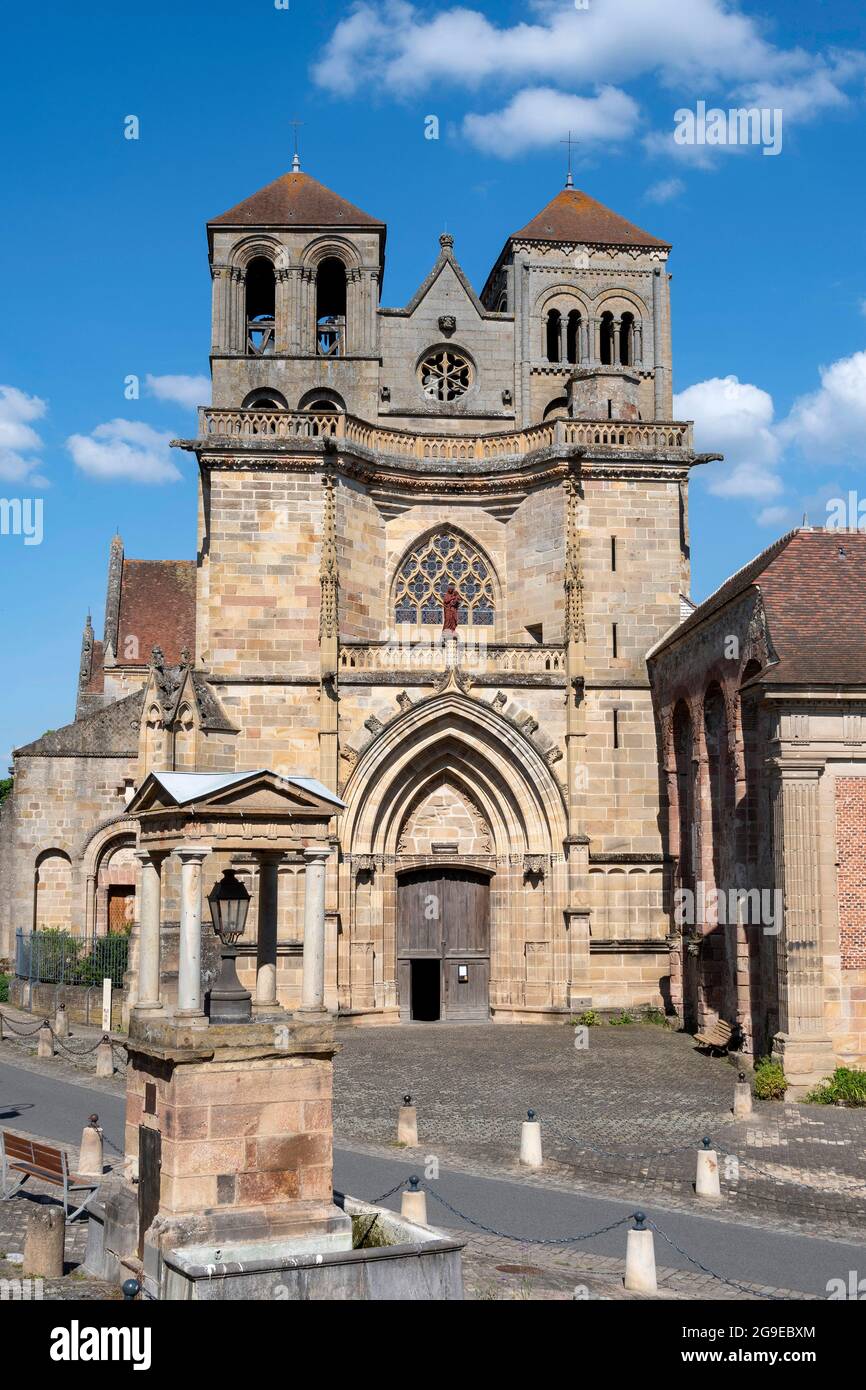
(35, 1160)
(718, 1037)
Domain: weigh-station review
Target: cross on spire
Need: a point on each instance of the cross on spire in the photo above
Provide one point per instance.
(569, 182)
(296, 158)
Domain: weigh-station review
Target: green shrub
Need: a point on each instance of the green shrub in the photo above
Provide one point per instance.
(846, 1084)
(654, 1016)
(770, 1081)
(4, 989)
(588, 1019)
(618, 1020)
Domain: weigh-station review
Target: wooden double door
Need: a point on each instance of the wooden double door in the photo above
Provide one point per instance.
(443, 944)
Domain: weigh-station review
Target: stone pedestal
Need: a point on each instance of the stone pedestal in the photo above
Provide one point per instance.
(229, 1129)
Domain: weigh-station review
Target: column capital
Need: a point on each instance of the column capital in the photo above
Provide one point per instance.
(269, 856)
(317, 854)
(189, 854)
(150, 856)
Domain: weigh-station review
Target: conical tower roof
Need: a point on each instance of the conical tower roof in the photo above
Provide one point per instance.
(575, 217)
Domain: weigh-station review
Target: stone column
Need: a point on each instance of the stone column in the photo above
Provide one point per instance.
(802, 1044)
(313, 987)
(148, 932)
(615, 342)
(189, 992)
(266, 942)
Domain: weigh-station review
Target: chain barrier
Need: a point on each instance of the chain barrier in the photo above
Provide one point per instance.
(16, 1028)
(559, 1241)
(526, 1240)
(616, 1153)
(733, 1283)
(855, 1187)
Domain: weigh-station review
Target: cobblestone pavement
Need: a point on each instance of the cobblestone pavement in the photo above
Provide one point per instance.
(493, 1268)
(624, 1117)
(498, 1269)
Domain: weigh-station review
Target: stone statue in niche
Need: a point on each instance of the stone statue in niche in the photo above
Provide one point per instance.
(450, 609)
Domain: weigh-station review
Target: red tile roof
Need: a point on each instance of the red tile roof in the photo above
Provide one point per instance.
(295, 200)
(813, 585)
(157, 609)
(574, 216)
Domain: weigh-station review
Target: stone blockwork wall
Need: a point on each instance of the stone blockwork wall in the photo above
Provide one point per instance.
(47, 824)
(235, 1137)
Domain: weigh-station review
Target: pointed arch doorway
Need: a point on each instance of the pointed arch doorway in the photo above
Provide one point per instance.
(443, 943)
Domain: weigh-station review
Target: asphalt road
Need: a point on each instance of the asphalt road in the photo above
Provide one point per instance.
(58, 1109)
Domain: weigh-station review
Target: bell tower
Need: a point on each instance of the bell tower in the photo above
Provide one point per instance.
(297, 272)
(590, 295)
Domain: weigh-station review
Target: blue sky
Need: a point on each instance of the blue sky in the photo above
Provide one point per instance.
(105, 264)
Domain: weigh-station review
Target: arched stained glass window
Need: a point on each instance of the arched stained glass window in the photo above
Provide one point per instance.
(435, 562)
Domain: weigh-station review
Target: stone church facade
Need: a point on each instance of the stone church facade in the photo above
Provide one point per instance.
(504, 849)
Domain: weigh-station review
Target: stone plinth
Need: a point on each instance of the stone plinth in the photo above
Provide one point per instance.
(228, 1130)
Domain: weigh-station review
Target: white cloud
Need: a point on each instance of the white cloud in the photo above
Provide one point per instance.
(665, 190)
(18, 440)
(734, 418)
(831, 422)
(703, 48)
(125, 450)
(189, 391)
(537, 116)
(612, 41)
(777, 517)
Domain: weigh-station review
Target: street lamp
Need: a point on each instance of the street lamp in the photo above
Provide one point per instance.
(229, 904)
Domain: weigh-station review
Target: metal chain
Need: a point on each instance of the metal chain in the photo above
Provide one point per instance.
(855, 1187)
(374, 1201)
(743, 1288)
(616, 1153)
(25, 1032)
(526, 1240)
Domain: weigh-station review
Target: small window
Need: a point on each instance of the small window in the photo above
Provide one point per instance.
(615, 727)
(444, 375)
(613, 640)
(261, 286)
(613, 552)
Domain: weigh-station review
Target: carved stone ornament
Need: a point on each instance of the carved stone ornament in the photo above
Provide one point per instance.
(447, 323)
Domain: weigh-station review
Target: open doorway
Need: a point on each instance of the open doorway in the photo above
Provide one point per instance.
(426, 1005)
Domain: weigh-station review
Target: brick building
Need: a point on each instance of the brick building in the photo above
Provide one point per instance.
(761, 696)
(503, 850)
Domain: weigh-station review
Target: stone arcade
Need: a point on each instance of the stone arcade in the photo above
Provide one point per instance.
(505, 850)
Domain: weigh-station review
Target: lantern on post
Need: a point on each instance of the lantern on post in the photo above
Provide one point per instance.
(229, 904)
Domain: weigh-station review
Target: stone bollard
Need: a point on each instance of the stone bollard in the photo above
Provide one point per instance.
(530, 1141)
(742, 1097)
(413, 1203)
(707, 1175)
(61, 1022)
(407, 1124)
(43, 1243)
(104, 1058)
(90, 1163)
(45, 1041)
(640, 1258)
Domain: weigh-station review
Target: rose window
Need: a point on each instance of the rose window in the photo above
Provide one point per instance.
(426, 572)
(445, 375)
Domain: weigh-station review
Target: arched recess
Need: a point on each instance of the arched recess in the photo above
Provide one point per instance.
(501, 773)
(331, 286)
(52, 891)
(115, 885)
(98, 848)
(463, 561)
(321, 400)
